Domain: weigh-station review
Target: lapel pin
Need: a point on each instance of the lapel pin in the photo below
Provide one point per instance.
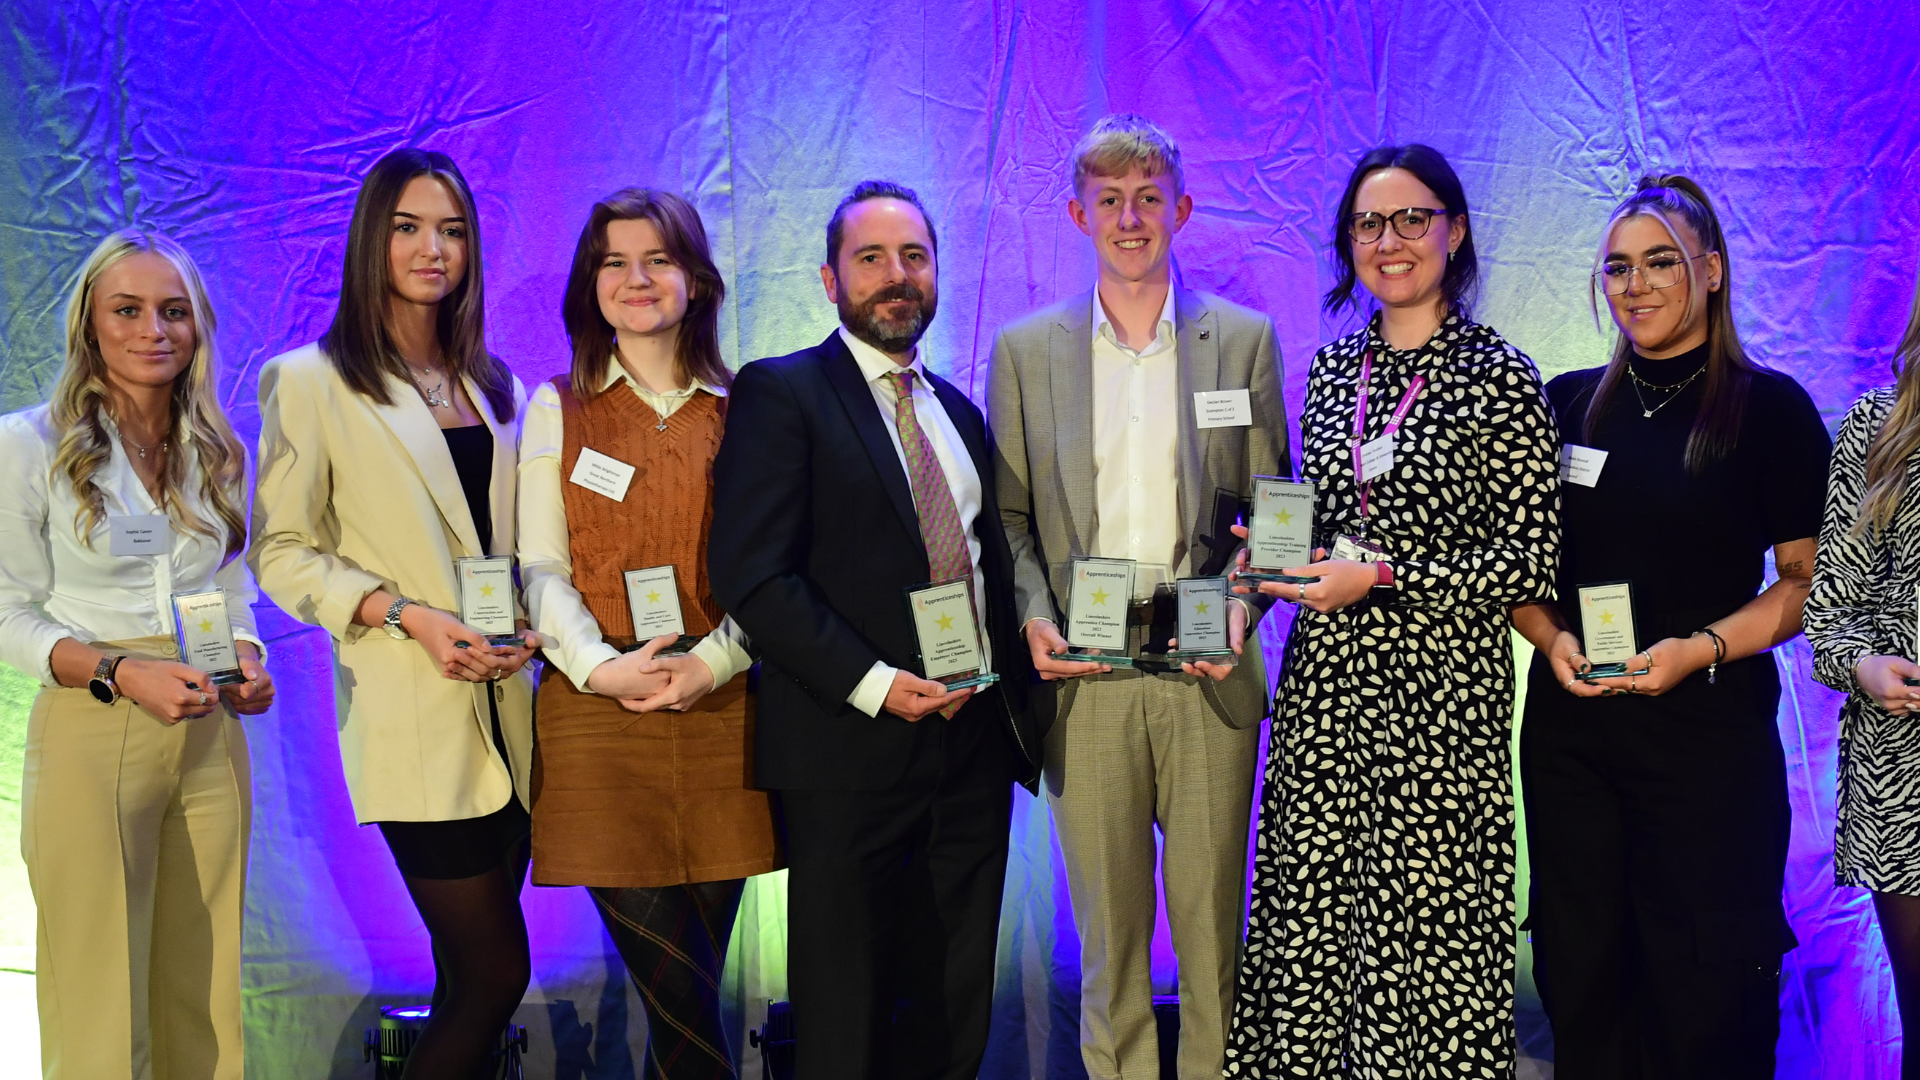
(1205, 334)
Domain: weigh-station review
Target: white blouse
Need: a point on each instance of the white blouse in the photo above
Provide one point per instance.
(54, 586)
(554, 606)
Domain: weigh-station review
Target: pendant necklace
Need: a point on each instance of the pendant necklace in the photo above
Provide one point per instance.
(436, 394)
(1677, 388)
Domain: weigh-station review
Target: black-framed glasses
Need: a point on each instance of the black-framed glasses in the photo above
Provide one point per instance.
(1662, 271)
(1411, 223)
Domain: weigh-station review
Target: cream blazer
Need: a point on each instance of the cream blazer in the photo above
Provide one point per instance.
(354, 496)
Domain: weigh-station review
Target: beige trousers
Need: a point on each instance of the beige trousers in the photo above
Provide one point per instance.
(1130, 751)
(135, 838)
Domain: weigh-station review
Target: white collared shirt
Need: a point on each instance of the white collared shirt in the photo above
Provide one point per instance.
(963, 480)
(1136, 444)
(554, 606)
(54, 586)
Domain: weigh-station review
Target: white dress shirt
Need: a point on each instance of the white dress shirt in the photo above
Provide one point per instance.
(963, 480)
(554, 606)
(54, 586)
(1136, 446)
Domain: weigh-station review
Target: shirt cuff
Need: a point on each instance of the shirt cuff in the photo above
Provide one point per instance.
(242, 635)
(871, 695)
(580, 664)
(723, 657)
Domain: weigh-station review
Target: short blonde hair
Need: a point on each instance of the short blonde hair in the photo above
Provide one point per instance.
(1121, 143)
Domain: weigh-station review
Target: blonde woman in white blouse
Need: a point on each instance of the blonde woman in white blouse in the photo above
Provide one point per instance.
(136, 801)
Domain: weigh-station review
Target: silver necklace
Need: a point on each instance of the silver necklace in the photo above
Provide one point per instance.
(436, 394)
(141, 449)
(1677, 388)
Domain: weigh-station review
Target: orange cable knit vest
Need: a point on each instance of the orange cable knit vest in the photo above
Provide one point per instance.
(668, 509)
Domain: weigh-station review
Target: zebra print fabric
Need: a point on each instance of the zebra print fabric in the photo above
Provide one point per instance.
(1863, 604)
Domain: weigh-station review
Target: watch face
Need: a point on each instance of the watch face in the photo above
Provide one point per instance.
(101, 690)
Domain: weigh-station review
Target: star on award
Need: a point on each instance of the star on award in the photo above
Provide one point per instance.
(206, 626)
(1201, 607)
(1284, 517)
(1606, 617)
(653, 597)
(1100, 596)
(945, 621)
(486, 591)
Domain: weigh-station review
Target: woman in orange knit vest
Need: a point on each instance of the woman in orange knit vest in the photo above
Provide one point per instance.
(642, 783)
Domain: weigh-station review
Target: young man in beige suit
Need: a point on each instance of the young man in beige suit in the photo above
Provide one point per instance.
(1094, 404)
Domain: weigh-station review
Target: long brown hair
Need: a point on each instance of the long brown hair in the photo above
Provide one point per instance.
(697, 346)
(81, 398)
(1899, 434)
(1683, 207)
(358, 342)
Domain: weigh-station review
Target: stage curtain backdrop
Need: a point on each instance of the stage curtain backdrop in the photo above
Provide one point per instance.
(242, 129)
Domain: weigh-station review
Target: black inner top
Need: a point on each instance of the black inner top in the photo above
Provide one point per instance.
(472, 450)
(1693, 546)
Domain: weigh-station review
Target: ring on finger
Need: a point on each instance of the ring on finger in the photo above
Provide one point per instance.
(1299, 590)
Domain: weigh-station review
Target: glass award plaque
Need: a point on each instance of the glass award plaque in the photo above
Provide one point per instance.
(946, 635)
(653, 595)
(1201, 615)
(204, 632)
(1606, 630)
(486, 597)
(1279, 531)
(1098, 595)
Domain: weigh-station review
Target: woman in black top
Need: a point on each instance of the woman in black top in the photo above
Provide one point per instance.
(1657, 811)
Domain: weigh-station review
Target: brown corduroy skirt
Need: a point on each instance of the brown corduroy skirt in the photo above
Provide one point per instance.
(624, 800)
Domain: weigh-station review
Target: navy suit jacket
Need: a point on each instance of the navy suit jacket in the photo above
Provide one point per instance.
(813, 546)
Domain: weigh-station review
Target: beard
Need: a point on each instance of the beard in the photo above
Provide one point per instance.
(896, 336)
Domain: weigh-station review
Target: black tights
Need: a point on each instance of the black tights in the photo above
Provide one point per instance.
(674, 941)
(1900, 927)
(480, 968)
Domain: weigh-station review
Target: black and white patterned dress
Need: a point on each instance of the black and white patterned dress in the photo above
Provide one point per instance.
(1863, 604)
(1380, 938)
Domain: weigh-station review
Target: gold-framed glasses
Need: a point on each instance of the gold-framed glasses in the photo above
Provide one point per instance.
(1662, 271)
(1411, 223)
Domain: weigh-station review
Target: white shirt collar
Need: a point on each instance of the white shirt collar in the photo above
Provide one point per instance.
(617, 372)
(874, 364)
(1162, 331)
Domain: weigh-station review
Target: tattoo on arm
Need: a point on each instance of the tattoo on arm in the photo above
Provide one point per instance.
(1792, 569)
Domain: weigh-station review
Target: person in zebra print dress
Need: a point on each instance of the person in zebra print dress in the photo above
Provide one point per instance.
(1657, 814)
(1861, 620)
(1380, 939)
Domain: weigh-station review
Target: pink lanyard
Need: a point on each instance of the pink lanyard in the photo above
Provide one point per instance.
(1360, 424)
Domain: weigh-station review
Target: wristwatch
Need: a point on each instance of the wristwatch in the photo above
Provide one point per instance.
(393, 618)
(1383, 590)
(102, 686)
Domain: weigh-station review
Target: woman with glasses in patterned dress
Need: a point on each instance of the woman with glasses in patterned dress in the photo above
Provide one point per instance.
(1380, 940)
(1657, 813)
(1860, 621)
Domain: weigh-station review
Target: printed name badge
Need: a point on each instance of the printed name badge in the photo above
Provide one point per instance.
(140, 534)
(1222, 408)
(1581, 465)
(1376, 457)
(599, 473)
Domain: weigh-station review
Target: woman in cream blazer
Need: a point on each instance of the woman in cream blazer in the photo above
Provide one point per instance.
(388, 450)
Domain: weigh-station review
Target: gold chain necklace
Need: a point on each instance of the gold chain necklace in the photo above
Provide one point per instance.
(1677, 388)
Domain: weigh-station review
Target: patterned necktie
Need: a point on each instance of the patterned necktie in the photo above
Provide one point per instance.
(947, 554)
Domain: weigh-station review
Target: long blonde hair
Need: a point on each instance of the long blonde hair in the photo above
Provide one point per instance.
(1899, 435)
(81, 397)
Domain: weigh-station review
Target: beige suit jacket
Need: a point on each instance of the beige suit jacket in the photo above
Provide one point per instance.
(355, 496)
(1040, 406)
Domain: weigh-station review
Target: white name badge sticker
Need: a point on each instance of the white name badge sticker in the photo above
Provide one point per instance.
(140, 534)
(1222, 408)
(1581, 465)
(1376, 457)
(599, 473)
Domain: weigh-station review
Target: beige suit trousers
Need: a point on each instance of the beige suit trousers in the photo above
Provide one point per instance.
(135, 838)
(1130, 751)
